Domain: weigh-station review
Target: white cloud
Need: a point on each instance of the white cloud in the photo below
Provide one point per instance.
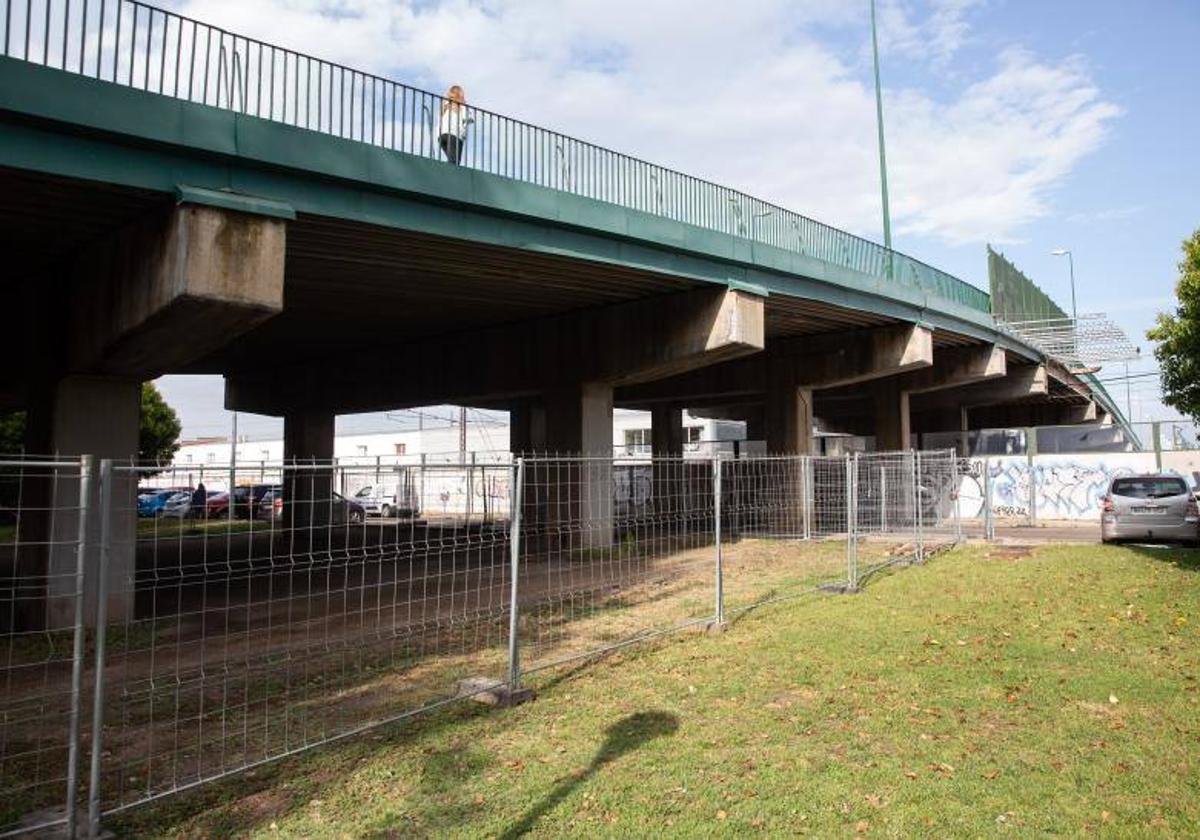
(767, 96)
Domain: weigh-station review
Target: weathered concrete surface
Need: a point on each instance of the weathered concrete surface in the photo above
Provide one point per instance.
(172, 287)
(1019, 382)
(308, 441)
(954, 367)
(97, 415)
(629, 342)
(813, 362)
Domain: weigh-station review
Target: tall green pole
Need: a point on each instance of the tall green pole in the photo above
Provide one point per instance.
(887, 218)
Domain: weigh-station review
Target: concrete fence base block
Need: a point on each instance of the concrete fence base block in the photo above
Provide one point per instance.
(716, 627)
(493, 692)
(57, 832)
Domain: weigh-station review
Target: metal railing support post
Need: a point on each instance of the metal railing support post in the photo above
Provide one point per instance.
(86, 467)
(106, 514)
(719, 612)
(514, 549)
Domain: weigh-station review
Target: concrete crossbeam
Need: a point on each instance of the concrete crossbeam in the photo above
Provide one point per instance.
(626, 343)
(172, 287)
(1020, 382)
(812, 362)
(955, 367)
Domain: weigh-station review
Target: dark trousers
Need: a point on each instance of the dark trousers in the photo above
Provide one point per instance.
(451, 147)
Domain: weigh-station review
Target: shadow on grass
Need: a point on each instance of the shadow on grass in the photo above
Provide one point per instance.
(1184, 557)
(627, 734)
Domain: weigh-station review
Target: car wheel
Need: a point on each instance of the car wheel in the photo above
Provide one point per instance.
(386, 512)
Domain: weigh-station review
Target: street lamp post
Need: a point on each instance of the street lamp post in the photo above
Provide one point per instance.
(1071, 262)
(887, 219)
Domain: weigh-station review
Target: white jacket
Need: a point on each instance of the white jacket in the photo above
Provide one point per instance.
(454, 120)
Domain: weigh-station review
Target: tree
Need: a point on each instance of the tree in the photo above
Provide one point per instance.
(1178, 336)
(12, 433)
(158, 429)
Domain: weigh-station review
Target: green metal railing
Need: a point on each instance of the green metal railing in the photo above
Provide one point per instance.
(140, 46)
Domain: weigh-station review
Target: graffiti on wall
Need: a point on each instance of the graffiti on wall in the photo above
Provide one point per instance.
(1062, 486)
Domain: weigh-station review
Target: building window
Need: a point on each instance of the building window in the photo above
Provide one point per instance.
(189, 457)
(692, 436)
(264, 454)
(637, 441)
(362, 450)
(211, 457)
(401, 448)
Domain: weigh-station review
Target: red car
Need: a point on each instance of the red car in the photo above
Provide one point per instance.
(217, 504)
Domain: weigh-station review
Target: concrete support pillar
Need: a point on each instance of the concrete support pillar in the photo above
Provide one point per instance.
(308, 480)
(666, 431)
(893, 426)
(788, 415)
(964, 429)
(78, 415)
(576, 494)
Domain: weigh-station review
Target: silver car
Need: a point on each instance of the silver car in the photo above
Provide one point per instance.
(1149, 507)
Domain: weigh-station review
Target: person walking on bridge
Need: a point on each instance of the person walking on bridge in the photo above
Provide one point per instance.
(452, 124)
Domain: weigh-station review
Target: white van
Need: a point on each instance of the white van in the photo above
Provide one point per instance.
(388, 500)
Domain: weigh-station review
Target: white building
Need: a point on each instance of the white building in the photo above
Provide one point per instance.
(631, 437)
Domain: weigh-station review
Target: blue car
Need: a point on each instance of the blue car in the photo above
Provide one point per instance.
(153, 503)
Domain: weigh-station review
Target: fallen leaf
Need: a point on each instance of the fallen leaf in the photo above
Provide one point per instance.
(1112, 698)
(721, 815)
(862, 826)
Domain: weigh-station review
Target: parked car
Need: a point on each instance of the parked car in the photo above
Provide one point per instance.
(246, 499)
(217, 505)
(388, 500)
(151, 501)
(177, 506)
(343, 510)
(1149, 507)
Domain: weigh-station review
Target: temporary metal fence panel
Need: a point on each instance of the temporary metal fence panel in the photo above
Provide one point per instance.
(232, 629)
(783, 534)
(46, 519)
(139, 46)
(612, 553)
(239, 633)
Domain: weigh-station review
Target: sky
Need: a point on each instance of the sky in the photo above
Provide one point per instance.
(1032, 126)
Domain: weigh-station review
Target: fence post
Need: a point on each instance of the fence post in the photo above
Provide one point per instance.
(1155, 428)
(989, 523)
(106, 515)
(956, 496)
(1031, 451)
(514, 549)
(851, 522)
(86, 466)
(719, 613)
(919, 503)
(807, 488)
(882, 499)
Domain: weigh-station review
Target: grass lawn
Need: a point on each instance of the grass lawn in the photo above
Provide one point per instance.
(991, 692)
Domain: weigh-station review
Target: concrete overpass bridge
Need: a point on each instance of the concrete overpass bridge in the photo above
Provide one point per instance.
(180, 199)
(175, 198)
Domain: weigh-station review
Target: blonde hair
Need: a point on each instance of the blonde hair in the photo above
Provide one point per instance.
(455, 98)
